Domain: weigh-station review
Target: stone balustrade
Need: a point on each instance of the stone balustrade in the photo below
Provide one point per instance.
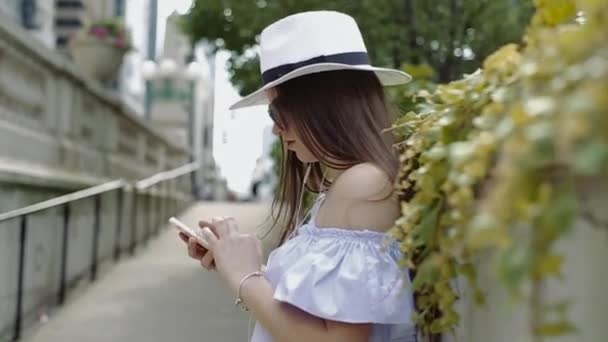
(60, 129)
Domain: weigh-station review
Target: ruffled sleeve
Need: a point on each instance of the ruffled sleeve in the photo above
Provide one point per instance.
(343, 275)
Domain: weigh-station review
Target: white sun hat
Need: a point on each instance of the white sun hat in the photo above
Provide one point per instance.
(311, 42)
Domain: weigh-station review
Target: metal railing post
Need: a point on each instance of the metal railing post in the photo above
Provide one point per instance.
(146, 219)
(119, 200)
(166, 210)
(64, 253)
(154, 209)
(96, 232)
(20, 278)
(175, 187)
(149, 215)
(133, 222)
(159, 209)
(156, 212)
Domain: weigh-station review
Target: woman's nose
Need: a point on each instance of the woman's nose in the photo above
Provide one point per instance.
(276, 130)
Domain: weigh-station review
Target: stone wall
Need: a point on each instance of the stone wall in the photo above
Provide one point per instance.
(583, 284)
(60, 132)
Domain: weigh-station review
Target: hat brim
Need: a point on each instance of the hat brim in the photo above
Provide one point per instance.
(387, 77)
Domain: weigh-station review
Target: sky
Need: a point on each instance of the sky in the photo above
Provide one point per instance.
(238, 135)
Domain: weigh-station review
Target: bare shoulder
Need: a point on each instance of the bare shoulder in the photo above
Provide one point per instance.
(361, 198)
(364, 181)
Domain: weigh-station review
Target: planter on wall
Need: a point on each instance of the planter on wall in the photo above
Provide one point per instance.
(97, 58)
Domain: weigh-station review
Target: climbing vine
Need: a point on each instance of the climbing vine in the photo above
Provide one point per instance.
(495, 159)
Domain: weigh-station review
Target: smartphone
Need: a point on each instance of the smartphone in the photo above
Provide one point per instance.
(189, 231)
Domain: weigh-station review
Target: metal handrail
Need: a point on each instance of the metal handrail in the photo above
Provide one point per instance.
(61, 200)
(164, 204)
(166, 175)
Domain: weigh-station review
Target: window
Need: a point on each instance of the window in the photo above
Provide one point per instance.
(10, 7)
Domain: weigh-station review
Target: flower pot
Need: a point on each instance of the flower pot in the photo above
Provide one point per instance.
(97, 58)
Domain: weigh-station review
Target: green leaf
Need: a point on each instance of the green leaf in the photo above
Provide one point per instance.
(558, 215)
(428, 224)
(427, 273)
(554, 329)
(560, 307)
(549, 265)
(515, 265)
(591, 157)
(479, 296)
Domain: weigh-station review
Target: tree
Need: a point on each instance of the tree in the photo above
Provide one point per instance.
(452, 36)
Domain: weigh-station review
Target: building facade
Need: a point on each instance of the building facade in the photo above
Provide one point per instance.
(186, 119)
(182, 103)
(37, 16)
(70, 17)
(53, 22)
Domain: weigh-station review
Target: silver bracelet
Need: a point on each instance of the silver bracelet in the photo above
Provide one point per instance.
(239, 302)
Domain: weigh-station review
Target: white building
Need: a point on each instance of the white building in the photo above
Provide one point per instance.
(132, 84)
(53, 22)
(182, 104)
(70, 16)
(38, 16)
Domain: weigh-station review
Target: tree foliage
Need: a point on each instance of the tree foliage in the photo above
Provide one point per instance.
(451, 36)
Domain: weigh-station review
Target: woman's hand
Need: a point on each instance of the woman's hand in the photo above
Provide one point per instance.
(197, 251)
(235, 254)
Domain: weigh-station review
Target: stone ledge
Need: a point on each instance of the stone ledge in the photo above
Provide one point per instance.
(16, 172)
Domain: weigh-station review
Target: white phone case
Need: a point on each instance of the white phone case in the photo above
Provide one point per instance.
(189, 231)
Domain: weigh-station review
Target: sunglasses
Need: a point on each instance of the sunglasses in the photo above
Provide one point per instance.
(274, 116)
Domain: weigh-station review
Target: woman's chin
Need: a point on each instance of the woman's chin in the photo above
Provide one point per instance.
(306, 158)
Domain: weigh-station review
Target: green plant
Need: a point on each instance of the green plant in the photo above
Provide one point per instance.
(407, 99)
(495, 159)
(112, 31)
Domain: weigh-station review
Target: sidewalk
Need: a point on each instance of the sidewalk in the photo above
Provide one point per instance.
(158, 295)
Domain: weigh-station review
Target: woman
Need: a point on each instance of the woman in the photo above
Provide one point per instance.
(335, 277)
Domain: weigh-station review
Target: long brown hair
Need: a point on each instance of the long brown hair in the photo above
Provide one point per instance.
(340, 117)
